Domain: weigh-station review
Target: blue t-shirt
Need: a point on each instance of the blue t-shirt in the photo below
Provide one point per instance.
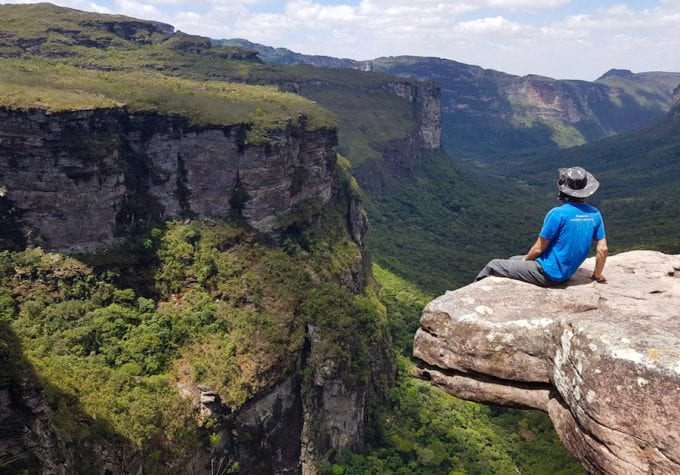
(571, 229)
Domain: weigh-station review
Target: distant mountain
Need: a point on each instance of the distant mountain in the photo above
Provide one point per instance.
(269, 54)
(489, 114)
(653, 88)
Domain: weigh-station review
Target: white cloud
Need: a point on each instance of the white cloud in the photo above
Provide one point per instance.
(77, 4)
(526, 4)
(136, 9)
(493, 25)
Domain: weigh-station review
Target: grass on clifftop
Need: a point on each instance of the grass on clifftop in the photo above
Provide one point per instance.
(54, 87)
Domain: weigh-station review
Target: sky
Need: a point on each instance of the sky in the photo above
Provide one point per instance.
(564, 39)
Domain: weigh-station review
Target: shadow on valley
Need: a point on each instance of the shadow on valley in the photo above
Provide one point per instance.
(44, 428)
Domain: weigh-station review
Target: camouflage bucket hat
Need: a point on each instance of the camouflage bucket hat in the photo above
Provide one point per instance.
(577, 182)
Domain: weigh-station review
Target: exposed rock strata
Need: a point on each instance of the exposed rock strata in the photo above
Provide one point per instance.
(601, 359)
(82, 179)
(297, 421)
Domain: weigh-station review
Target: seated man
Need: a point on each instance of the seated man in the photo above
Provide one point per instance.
(565, 239)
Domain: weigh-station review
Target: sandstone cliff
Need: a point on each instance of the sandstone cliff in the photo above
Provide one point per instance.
(79, 180)
(86, 179)
(423, 114)
(600, 359)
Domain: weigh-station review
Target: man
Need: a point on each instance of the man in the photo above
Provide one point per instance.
(565, 239)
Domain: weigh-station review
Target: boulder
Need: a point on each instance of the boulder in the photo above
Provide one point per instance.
(602, 359)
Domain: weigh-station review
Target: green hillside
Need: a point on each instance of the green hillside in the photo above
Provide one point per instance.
(653, 88)
(638, 173)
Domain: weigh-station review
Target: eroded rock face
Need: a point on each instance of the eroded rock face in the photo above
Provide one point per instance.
(601, 359)
(334, 410)
(80, 180)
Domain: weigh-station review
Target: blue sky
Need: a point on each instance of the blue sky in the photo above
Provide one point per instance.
(566, 39)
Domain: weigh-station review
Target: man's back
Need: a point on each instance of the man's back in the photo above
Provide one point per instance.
(565, 238)
(571, 229)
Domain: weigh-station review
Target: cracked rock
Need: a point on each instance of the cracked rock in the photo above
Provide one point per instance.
(602, 360)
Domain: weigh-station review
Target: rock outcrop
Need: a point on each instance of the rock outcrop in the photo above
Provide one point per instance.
(81, 180)
(601, 359)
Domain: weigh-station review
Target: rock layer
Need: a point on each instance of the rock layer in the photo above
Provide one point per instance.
(601, 359)
(78, 180)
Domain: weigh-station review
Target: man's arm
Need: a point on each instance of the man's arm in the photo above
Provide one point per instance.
(537, 249)
(602, 251)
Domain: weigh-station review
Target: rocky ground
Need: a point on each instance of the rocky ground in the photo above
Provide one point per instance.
(602, 360)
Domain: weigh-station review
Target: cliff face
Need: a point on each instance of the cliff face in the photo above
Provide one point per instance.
(86, 179)
(600, 359)
(544, 98)
(423, 99)
(404, 155)
(79, 180)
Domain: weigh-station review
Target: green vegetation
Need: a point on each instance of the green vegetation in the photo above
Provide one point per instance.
(649, 90)
(440, 226)
(367, 119)
(404, 303)
(422, 430)
(563, 135)
(426, 431)
(222, 310)
(638, 175)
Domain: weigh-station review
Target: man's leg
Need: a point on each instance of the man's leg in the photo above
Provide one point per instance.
(515, 268)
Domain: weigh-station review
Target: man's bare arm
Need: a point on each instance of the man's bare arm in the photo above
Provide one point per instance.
(602, 251)
(537, 249)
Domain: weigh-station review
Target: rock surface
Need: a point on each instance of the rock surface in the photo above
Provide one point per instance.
(602, 360)
(80, 180)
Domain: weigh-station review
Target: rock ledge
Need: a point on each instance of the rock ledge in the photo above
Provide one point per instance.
(603, 360)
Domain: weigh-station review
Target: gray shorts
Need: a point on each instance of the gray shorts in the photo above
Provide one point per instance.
(517, 268)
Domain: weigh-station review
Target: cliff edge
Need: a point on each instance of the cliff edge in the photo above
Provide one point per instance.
(601, 359)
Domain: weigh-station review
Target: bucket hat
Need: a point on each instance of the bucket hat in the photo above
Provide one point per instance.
(577, 182)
